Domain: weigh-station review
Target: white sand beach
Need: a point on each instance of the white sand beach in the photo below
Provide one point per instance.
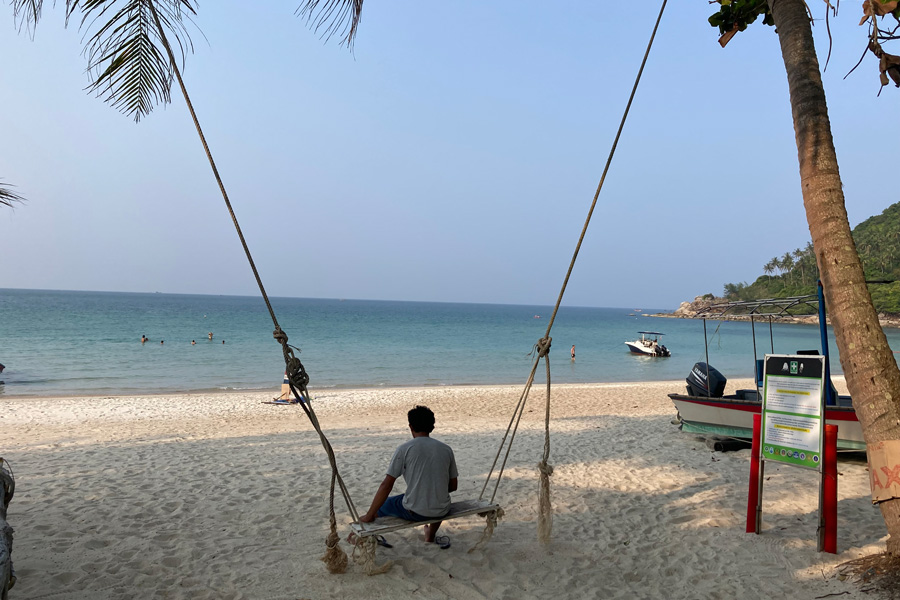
(222, 496)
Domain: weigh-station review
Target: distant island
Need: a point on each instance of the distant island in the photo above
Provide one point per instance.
(795, 273)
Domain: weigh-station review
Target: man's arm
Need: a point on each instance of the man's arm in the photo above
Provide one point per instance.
(453, 484)
(384, 490)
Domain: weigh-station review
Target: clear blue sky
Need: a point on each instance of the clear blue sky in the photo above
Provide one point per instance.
(453, 157)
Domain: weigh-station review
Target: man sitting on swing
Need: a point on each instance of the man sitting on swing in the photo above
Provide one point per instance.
(429, 469)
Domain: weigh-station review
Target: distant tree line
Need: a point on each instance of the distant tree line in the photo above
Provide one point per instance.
(795, 273)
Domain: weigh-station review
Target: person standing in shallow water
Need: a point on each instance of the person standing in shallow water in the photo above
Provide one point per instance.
(573, 352)
(429, 469)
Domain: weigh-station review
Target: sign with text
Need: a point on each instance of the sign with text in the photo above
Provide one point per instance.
(793, 411)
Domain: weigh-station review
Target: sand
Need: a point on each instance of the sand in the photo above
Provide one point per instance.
(222, 496)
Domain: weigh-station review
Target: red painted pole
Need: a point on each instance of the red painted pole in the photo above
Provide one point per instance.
(753, 494)
(829, 492)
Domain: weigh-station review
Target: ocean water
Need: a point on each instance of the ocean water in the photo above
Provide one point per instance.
(88, 343)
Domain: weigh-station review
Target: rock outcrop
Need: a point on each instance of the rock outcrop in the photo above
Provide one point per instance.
(690, 310)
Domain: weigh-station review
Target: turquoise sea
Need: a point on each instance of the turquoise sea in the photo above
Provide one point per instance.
(88, 343)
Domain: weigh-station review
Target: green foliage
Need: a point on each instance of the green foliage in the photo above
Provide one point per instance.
(795, 273)
(738, 14)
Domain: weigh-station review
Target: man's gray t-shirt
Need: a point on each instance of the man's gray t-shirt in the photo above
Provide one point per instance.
(427, 465)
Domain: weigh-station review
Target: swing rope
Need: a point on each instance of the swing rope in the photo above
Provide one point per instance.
(542, 347)
(335, 558)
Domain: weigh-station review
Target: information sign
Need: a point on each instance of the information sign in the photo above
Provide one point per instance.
(793, 410)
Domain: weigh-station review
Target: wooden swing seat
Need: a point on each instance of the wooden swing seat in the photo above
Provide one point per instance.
(463, 508)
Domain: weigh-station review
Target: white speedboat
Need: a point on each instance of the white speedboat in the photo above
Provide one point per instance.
(648, 345)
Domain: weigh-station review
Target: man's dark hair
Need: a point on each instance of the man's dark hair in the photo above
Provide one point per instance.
(421, 419)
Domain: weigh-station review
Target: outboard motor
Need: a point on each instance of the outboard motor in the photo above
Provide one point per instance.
(697, 384)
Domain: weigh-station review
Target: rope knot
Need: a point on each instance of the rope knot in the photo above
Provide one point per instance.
(280, 336)
(335, 558)
(545, 468)
(296, 373)
(543, 346)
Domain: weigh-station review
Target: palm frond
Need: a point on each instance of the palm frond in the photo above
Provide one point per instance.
(7, 196)
(333, 17)
(126, 58)
(26, 13)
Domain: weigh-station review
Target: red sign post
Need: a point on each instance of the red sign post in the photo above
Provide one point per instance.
(753, 504)
(781, 440)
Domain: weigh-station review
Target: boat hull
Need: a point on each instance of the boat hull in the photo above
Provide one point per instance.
(732, 416)
(642, 350)
(636, 348)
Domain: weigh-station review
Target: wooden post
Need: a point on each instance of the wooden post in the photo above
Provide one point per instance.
(753, 494)
(829, 490)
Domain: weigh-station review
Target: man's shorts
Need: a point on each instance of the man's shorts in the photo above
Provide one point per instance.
(393, 507)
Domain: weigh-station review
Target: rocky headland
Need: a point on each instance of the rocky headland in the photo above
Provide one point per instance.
(692, 310)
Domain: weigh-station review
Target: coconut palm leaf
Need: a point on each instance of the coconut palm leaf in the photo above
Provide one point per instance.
(7, 196)
(26, 13)
(126, 58)
(333, 17)
(127, 62)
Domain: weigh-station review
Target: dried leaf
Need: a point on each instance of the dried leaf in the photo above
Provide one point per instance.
(877, 8)
(726, 37)
(884, 8)
(895, 75)
(889, 65)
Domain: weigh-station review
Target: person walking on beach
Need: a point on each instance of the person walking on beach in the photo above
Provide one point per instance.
(573, 352)
(429, 469)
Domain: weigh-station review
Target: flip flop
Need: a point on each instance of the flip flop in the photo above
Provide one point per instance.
(443, 541)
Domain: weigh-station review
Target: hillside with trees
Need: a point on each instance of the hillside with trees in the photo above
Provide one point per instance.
(795, 273)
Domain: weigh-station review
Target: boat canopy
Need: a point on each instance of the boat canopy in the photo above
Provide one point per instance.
(771, 308)
(768, 307)
(651, 333)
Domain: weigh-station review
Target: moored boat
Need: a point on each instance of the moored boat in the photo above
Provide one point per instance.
(648, 345)
(705, 409)
(731, 416)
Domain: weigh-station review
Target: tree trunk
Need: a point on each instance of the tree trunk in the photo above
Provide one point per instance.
(868, 363)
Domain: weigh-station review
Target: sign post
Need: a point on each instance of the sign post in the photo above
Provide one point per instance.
(793, 429)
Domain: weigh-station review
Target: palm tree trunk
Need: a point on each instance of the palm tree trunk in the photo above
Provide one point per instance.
(868, 363)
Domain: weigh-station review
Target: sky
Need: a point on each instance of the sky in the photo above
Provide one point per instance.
(452, 156)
